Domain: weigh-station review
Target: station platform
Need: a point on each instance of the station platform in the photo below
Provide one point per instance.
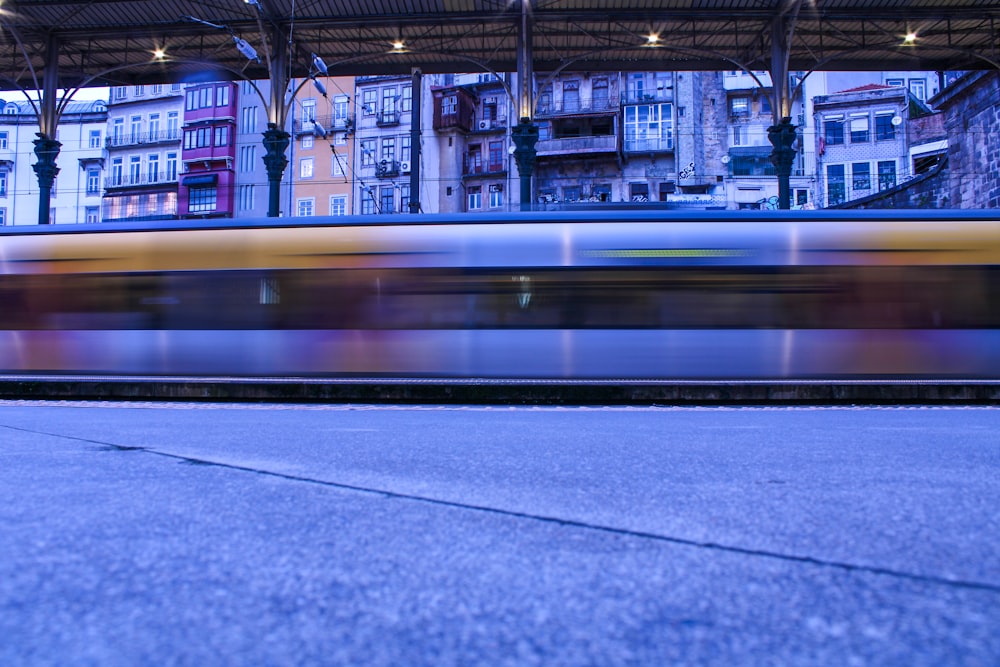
(487, 391)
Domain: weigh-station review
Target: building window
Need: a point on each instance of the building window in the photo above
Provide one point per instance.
(475, 198)
(835, 185)
(248, 119)
(369, 101)
(248, 155)
(496, 196)
(368, 153)
(599, 93)
(571, 96)
(201, 200)
(367, 201)
(3, 216)
(739, 106)
(861, 176)
(306, 167)
(340, 111)
(118, 131)
(449, 105)
(740, 133)
(304, 207)
(222, 96)
(308, 141)
(246, 197)
(92, 215)
(406, 105)
(338, 205)
(404, 148)
(388, 150)
(137, 91)
(309, 110)
(120, 92)
(134, 169)
(171, 166)
(860, 129)
(5, 138)
(387, 199)
(93, 181)
(173, 125)
(404, 198)
(388, 102)
(222, 135)
(649, 127)
(886, 174)
(833, 130)
(884, 129)
(919, 89)
(153, 168)
(117, 171)
(154, 127)
(3, 183)
(899, 83)
(496, 156)
(337, 164)
(155, 89)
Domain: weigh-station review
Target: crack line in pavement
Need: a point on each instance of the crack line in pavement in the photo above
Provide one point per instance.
(625, 532)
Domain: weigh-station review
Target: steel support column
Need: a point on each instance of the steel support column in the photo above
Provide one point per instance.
(782, 133)
(415, 143)
(525, 133)
(46, 146)
(276, 139)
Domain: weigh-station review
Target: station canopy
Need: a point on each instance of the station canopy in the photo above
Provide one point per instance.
(123, 42)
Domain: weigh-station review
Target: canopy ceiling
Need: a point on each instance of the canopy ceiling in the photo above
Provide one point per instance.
(112, 42)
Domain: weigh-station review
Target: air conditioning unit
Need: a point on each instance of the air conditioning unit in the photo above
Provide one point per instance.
(404, 166)
(484, 125)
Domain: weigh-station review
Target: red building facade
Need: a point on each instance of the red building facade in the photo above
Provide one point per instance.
(207, 186)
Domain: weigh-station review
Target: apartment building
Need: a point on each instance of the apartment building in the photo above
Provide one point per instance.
(76, 193)
(472, 117)
(143, 152)
(864, 142)
(207, 186)
(321, 151)
(384, 153)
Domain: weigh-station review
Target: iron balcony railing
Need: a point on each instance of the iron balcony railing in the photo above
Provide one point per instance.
(138, 138)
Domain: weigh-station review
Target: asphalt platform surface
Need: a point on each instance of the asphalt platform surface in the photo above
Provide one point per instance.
(275, 534)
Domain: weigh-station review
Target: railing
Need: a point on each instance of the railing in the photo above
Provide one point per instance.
(142, 138)
(648, 97)
(489, 125)
(601, 144)
(388, 118)
(387, 169)
(596, 105)
(474, 167)
(654, 145)
(328, 123)
(129, 181)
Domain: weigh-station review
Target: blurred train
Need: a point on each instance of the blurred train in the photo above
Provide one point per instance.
(582, 295)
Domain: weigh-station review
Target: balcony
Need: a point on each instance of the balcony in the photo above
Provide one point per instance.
(473, 166)
(650, 145)
(648, 96)
(388, 118)
(599, 105)
(490, 125)
(139, 180)
(143, 139)
(578, 145)
(322, 125)
(387, 169)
